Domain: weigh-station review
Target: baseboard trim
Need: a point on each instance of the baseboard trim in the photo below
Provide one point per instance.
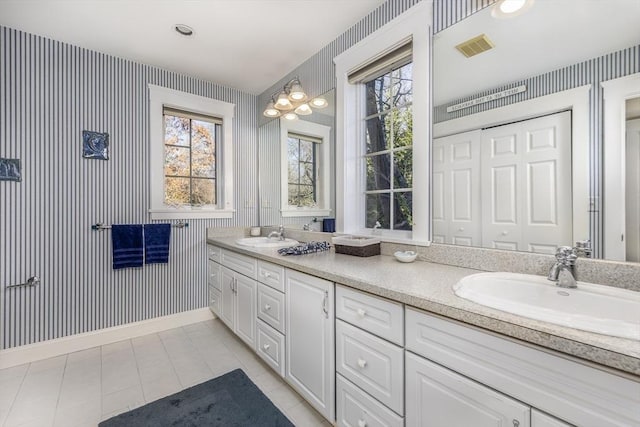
(56, 347)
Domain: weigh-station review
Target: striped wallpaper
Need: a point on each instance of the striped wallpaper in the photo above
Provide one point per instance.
(49, 93)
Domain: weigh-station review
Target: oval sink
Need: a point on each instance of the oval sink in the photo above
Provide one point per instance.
(595, 308)
(266, 242)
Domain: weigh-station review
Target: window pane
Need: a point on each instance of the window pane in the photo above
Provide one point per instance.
(378, 95)
(176, 130)
(176, 191)
(378, 134)
(306, 151)
(203, 191)
(400, 86)
(402, 127)
(176, 160)
(402, 212)
(306, 174)
(403, 169)
(306, 196)
(378, 172)
(378, 208)
(203, 137)
(293, 195)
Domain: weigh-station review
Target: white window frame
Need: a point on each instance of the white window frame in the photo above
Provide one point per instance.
(163, 97)
(414, 25)
(323, 191)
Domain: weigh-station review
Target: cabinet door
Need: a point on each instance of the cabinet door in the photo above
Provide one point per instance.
(227, 308)
(540, 419)
(439, 397)
(310, 345)
(245, 321)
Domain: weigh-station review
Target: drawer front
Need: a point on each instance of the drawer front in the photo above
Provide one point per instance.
(271, 275)
(371, 363)
(374, 314)
(270, 347)
(241, 263)
(215, 275)
(271, 307)
(214, 253)
(357, 409)
(215, 298)
(564, 388)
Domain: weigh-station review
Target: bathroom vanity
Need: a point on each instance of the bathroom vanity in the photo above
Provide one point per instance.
(374, 342)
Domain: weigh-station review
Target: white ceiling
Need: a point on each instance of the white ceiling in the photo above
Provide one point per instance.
(244, 44)
(551, 35)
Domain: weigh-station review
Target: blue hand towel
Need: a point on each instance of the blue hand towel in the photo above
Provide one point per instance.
(156, 243)
(127, 244)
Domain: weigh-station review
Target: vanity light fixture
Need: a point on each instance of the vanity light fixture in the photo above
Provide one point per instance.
(184, 30)
(291, 101)
(510, 8)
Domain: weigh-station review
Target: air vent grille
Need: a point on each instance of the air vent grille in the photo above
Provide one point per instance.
(475, 46)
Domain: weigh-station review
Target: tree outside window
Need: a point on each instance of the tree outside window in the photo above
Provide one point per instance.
(389, 150)
(190, 159)
(301, 154)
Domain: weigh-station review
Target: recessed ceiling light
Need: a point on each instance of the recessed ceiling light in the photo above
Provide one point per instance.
(184, 30)
(510, 8)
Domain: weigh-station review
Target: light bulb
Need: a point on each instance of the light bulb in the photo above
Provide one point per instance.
(270, 110)
(290, 116)
(319, 102)
(303, 110)
(511, 6)
(283, 102)
(296, 93)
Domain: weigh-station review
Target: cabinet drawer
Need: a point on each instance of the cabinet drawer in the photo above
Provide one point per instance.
(214, 253)
(241, 263)
(374, 314)
(215, 275)
(371, 363)
(271, 307)
(271, 275)
(356, 408)
(270, 347)
(215, 298)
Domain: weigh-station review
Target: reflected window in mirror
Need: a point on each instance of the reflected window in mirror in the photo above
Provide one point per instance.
(304, 168)
(388, 158)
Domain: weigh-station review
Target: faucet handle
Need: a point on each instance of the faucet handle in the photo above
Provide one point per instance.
(562, 252)
(583, 248)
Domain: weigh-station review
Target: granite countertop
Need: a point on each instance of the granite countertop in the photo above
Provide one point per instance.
(428, 286)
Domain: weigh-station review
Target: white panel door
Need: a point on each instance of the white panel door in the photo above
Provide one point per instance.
(456, 186)
(632, 190)
(439, 397)
(227, 309)
(245, 321)
(526, 184)
(310, 341)
(540, 419)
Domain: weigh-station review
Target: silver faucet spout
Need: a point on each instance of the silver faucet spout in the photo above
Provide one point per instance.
(563, 272)
(279, 234)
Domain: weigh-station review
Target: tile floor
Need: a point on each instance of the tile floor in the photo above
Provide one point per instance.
(81, 389)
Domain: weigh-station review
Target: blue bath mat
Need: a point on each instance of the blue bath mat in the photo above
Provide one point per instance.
(230, 400)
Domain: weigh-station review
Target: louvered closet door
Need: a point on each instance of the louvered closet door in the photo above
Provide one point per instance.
(456, 189)
(526, 184)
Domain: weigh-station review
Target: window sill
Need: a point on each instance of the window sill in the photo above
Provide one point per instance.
(188, 213)
(389, 236)
(289, 213)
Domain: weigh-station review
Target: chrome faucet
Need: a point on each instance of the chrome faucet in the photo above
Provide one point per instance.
(563, 272)
(279, 234)
(307, 226)
(376, 226)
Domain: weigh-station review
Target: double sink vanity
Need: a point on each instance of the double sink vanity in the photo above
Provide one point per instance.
(375, 342)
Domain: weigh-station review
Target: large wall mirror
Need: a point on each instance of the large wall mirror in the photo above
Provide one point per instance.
(517, 162)
(297, 167)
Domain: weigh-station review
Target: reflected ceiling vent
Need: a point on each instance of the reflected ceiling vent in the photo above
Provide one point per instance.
(475, 46)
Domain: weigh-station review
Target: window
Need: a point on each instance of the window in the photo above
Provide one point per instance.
(190, 158)
(304, 168)
(383, 171)
(191, 155)
(388, 154)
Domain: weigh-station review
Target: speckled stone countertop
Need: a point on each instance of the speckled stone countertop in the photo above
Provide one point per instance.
(428, 286)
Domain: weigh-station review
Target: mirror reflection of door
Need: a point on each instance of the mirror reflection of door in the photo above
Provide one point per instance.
(505, 187)
(632, 180)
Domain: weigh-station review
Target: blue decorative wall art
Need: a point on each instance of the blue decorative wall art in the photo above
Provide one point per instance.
(10, 170)
(95, 145)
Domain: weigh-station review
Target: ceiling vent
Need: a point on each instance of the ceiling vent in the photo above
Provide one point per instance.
(475, 46)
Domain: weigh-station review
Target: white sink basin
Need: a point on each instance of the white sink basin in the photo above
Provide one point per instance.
(595, 308)
(265, 242)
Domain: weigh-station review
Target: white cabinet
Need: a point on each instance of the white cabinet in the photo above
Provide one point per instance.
(540, 419)
(310, 346)
(439, 397)
(238, 308)
(355, 408)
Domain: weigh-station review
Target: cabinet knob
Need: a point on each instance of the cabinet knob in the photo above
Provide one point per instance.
(504, 233)
(266, 346)
(213, 300)
(267, 307)
(362, 363)
(516, 423)
(362, 423)
(461, 229)
(266, 274)
(361, 312)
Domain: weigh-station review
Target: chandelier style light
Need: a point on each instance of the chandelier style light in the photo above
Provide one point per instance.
(292, 102)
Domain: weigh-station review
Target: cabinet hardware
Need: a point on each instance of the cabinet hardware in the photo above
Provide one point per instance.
(267, 307)
(266, 274)
(516, 423)
(325, 302)
(362, 423)
(362, 363)
(361, 312)
(231, 284)
(31, 281)
(266, 346)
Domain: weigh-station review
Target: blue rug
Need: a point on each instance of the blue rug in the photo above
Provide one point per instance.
(230, 400)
